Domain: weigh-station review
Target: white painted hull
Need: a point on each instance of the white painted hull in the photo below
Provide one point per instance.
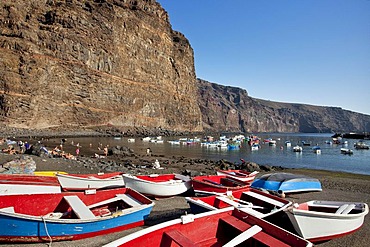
(158, 189)
(320, 226)
(70, 182)
(19, 189)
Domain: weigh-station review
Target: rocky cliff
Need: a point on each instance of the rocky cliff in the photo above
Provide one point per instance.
(85, 63)
(69, 63)
(231, 109)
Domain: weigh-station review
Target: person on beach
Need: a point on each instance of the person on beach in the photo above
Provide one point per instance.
(106, 151)
(77, 151)
(148, 152)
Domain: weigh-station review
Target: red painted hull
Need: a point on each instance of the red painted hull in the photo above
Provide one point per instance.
(217, 184)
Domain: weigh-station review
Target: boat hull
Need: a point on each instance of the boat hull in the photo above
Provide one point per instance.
(16, 184)
(253, 201)
(225, 227)
(313, 225)
(56, 217)
(215, 184)
(159, 186)
(91, 181)
(239, 175)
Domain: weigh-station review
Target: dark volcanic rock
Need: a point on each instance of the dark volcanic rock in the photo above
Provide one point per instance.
(230, 109)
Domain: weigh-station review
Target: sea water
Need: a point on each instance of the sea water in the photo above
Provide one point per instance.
(330, 158)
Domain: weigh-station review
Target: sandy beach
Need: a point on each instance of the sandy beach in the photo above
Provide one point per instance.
(336, 186)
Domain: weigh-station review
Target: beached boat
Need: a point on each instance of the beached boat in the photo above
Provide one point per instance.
(17, 184)
(239, 174)
(216, 228)
(158, 185)
(255, 202)
(213, 184)
(311, 219)
(90, 181)
(71, 215)
(287, 183)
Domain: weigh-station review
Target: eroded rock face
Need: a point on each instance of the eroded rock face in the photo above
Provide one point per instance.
(86, 63)
(231, 109)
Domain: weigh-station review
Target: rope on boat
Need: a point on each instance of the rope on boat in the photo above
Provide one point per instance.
(46, 230)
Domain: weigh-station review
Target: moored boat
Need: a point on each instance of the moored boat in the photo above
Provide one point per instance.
(216, 228)
(71, 215)
(239, 174)
(158, 185)
(346, 151)
(311, 219)
(255, 202)
(361, 145)
(213, 184)
(90, 181)
(297, 148)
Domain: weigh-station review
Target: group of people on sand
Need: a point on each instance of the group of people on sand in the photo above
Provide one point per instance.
(19, 147)
(14, 147)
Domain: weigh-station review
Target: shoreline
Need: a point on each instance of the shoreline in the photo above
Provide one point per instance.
(337, 186)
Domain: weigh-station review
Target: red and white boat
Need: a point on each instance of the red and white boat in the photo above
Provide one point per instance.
(320, 221)
(158, 185)
(215, 184)
(225, 227)
(17, 184)
(71, 215)
(90, 181)
(252, 201)
(239, 174)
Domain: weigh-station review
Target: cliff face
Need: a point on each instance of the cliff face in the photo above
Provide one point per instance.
(83, 63)
(231, 109)
(89, 63)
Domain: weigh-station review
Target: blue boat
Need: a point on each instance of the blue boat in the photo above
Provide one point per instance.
(287, 183)
(71, 215)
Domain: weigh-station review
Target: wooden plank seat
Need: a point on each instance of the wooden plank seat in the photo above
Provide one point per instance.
(79, 207)
(242, 207)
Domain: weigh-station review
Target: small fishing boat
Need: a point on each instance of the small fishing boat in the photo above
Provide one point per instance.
(361, 145)
(239, 174)
(225, 227)
(71, 215)
(255, 146)
(158, 185)
(213, 184)
(287, 183)
(17, 184)
(297, 148)
(255, 202)
(316, 149)
(90, 181)
(346, 151)
(311, 219)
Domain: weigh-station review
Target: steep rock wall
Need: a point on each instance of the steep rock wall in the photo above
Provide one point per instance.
(227, 108)
(86, 63)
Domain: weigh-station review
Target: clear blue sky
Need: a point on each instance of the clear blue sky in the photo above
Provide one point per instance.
(298, 51)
